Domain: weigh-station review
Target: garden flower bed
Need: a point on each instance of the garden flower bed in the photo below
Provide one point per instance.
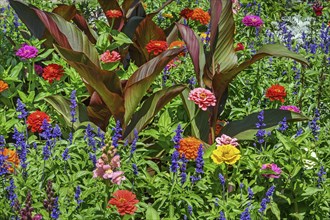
(164, 110)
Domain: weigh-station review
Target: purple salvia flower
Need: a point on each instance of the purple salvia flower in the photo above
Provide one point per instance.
(320, 176)
(117, 134)
(135, 169)
(73, 106)
(250, 193)
(2, 141)
(12, 197)
(183, 169)
(35, 146)
(283, 125)
(89, 135)
(190, 209)
(261, 133)
(46, 130)
(3, 167)
(46, 151)
(175, 165)
(192, 82)
(133, 146)
(200, 160)
(92, 157)
(222, 179)
(27, 52)
(18, 137)
(100, 134)
(222, 216)
(65, 154)
(21, 109)
(266, 200)
(55, 212)
(314, 126)
(70, 138)
(166, 74)
(245, 215)
(176, 139)
(77, 195)
(57, 133)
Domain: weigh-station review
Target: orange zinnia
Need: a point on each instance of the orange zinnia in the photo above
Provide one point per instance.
(177, 44)
(189, 147)
(200, 15)
(35, 119)
(3, 86)
(156, 46)
(276, 92)
(12, 159)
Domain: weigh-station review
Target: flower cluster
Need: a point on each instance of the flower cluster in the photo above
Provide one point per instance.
(189, 147)
(224, 140)
(276, 92)
(3, 86)
(252, 21)
(110, 57)
(27, 52)
(53, 72)
(113, 13)
(107, 165)
(125, 202)
(156, 46)
(271, 170)
(266, 200)
(202, 97)
(35, 119)
(228, 154)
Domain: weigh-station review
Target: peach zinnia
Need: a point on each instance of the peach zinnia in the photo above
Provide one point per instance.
(3, 86)
(189, 147)
(202, 97)
(276, 92)
(156, 46)
(113, 13)
(110, 57)
(200, 15)
(11, 160)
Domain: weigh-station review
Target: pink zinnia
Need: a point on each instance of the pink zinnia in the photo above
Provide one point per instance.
(202, 97)
(27, 52)
(272, 167)
(108, 57)
(290, 108)
(224, 140)
(252, 20)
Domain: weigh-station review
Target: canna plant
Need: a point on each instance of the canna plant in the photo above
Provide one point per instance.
(109, 95)
(217, 67)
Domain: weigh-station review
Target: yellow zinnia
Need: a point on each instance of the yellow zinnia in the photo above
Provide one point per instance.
(226, 153)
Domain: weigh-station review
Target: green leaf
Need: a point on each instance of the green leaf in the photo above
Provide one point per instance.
(246, 129)
(195, 49)
(14, 73)
(138, 84)
(106, 84)
(224, 53)
(311, 191)
(275, 210)
(150, 108)
(288, 144)
(122, 38)
(62, 106)
(151, 213)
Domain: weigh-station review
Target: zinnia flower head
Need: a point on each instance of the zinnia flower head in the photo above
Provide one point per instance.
(156, 46)
(224, 140)
(200, 15)
(125, 202)
(110, 57)
(113, 13)
(276, 92)
(202, 97)
(239, 47)
(187, 13)
(27, 52)
(290, 108)
(38, 69)
(228, 154)
(189, 147)
(53, 72)
(3, 86)
(35, 119)
(12, 159)
(177, 44)
(252, 21)
(274, 170)
(317, 7)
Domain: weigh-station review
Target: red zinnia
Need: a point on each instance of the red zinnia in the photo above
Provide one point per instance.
(125, 202)
(200, 15)
(156, 46)
(276, 92)
(239, 47)
(114, 14)
(186, 13)
(317, 7)
(53, 72)
(35, 119)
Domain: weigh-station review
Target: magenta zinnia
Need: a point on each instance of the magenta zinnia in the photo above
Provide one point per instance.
(202, 97)
(290, 108)
(272, 170)
(252, 21)
(27, 52)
